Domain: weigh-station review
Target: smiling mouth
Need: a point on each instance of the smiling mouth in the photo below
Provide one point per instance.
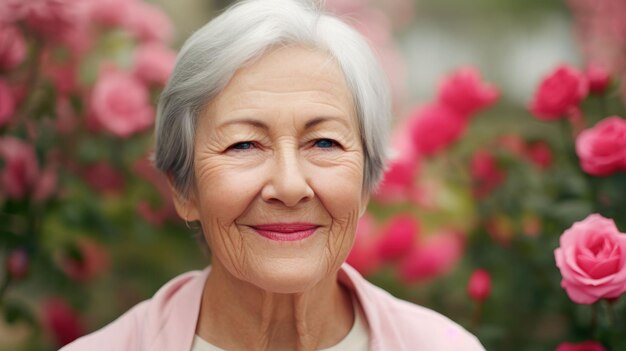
(285, 231)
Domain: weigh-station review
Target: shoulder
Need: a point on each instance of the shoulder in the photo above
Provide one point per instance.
(401, 325)
(140, 326)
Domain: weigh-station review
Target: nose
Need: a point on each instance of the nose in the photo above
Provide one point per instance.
(287, 183)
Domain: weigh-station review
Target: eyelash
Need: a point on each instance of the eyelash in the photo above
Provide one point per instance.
(253, 144)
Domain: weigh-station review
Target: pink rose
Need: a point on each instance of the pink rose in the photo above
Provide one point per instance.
(540, 154)
(12, 47)
(154, 62)
(50, 18)
(559, 93)
(513, 143)
(103, 178)
(363, 256)
(111, 13)
(20, 171)
(601, 149)
(584, 346)
(399, 178)
(592, 260)
(434, 257)
(144, 169)
(398, 237)
(63, 75)
(46, 185)
(85, 261)
(598, 78)
(61, 321)
(148, 22)
(120, 104)
(465, 92)
(435, 128)
(485, 172)
(479, 285)
(7, 103)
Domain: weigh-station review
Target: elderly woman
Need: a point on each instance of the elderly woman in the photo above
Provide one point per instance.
(272, 132)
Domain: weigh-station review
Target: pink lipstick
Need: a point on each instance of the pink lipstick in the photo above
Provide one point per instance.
(285, 231)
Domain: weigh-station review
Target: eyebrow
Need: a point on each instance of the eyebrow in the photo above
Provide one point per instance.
(308, 125)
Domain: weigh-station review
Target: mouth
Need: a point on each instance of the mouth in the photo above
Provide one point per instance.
(285, 231)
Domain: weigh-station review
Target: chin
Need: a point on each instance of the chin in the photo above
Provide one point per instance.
(286, 276)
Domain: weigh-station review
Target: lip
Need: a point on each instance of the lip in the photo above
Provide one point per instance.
(285, 231)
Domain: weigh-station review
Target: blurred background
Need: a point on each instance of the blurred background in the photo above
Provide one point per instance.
(490, 100)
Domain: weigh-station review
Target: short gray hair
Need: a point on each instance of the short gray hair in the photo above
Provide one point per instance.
(211, 56)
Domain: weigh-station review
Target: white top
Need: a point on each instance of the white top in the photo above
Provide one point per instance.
(356, 340)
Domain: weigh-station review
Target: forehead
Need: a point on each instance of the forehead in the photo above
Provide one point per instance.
(286, 77)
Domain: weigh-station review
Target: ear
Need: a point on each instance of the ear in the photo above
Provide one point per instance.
(365, 199)
(186, 207)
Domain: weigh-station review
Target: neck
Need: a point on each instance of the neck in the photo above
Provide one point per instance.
(238, 315)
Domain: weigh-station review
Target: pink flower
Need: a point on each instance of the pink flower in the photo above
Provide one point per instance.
(399, 178)
(85, 261)
(103, 178)
(111, 13)
(584, 346)
(20, 171)
(601, 31)
(63, 75)
(592, 260)
(148, 22)
(398, 237)
(559, 92)
(12, 47)
(435, 128)
(7, 103)
(154, 62)
(479, 285)
(46, 184)
(601, 148)
(363, 256)
(62, 321)
(436, 256)
(17, 264)
(65, 122)
(145, 170)
(485, 173)
(540, 154)
(598, 78)
(513, 143)
(53, 19)
(120, 104)
(465, 92)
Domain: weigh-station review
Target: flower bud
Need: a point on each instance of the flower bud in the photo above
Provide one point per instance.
(479, 286)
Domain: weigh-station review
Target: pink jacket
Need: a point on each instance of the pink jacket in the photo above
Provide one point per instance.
(167, 322)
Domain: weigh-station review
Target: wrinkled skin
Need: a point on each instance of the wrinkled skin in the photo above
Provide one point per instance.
(280, 144)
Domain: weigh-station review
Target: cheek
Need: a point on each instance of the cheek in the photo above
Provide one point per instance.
(225, 190)
(340, 189)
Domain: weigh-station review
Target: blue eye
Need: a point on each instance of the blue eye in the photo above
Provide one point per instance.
(246, 145)
(325, 143)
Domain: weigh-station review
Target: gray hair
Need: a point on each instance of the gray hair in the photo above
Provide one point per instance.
(211, 56)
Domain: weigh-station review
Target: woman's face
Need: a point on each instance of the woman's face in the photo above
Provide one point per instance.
(279, 172)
